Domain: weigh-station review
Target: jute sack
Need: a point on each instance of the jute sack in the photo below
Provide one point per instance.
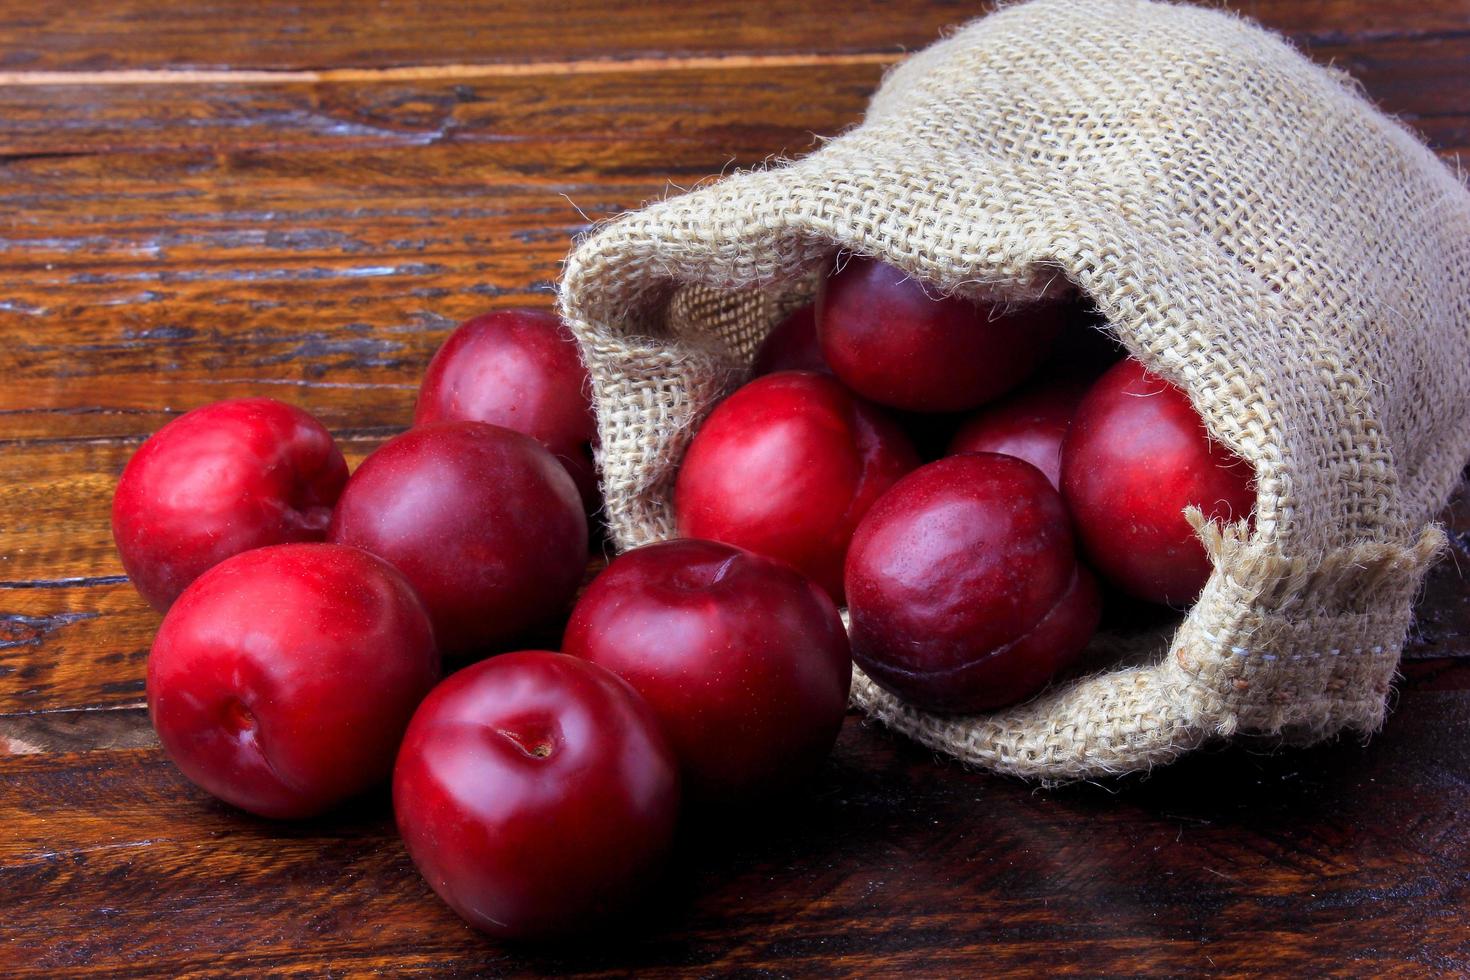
(1251, 228)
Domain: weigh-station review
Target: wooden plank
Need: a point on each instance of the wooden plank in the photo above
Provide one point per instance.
(1413, 78)
(1314, 22)
(97, 34)
(67, 731)
(69, 648)
(292, 185)
(694, 105)
(94, 35)
(891, 862)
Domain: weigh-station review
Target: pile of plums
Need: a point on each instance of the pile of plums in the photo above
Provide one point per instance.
(310, 615)
(961, 576)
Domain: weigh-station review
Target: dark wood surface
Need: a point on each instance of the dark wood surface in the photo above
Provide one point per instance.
(212, 200)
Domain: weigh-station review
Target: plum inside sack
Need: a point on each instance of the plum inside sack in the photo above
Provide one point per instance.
(736, 321)
(1257, 234)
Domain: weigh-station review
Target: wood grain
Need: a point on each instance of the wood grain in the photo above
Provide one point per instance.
(283, 35)
(700, 106)
(214, 200)
(690, 104)
(98, 34)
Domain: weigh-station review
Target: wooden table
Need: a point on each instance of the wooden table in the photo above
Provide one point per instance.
(300, 200)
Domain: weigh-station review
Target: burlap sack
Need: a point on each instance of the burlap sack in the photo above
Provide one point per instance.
(1251, 227)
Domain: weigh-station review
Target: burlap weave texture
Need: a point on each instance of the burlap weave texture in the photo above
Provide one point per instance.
(1251, 228)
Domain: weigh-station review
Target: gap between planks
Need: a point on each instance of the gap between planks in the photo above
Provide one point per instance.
(588, 66)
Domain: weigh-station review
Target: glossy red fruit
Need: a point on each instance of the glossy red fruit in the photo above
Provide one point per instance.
(1029, 425)
(786, 467)
(220, 480)
(1135, 457)
(963, 590)
(282, 680)
(520, 369)
(791, 346)
(482, 520)
(744, 660)
(536, 794)
(890, 339)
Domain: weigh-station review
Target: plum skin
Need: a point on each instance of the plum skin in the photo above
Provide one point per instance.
(791, 345)
(283, 678)
(1136, 455)
(217, 481)
(786, 467)
(521, 369)
(1029, 424)
(744, 660)
(964, 592)
(889, 340)
(536, 794)
(484, 522)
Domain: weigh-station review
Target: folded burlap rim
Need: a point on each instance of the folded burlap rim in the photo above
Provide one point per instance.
(1251, 228)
